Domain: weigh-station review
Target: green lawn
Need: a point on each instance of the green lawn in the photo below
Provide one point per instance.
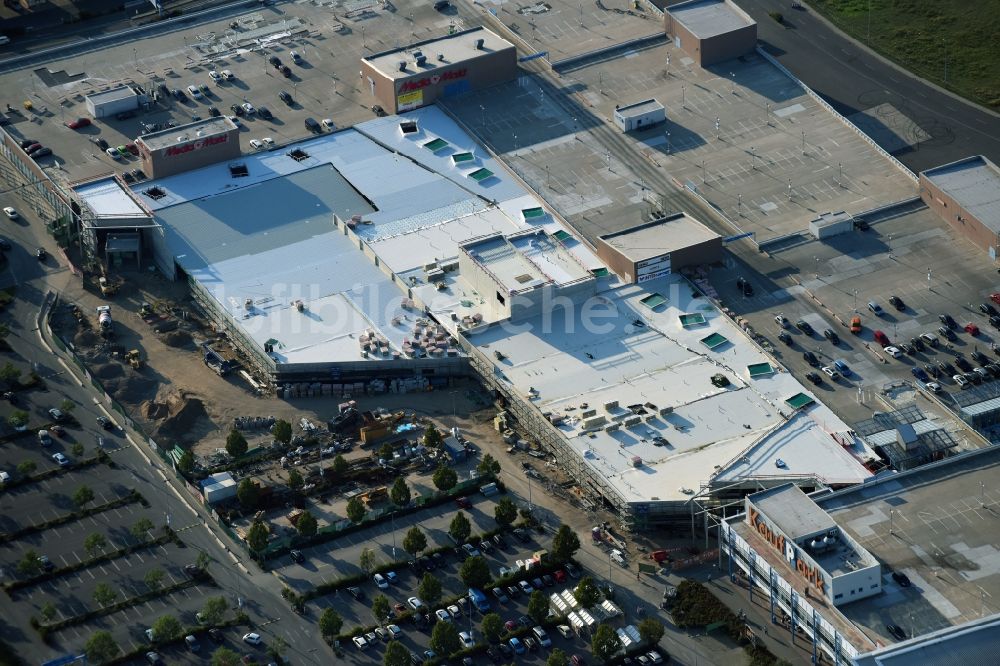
(953, 43)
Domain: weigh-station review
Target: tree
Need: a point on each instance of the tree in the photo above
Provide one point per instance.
(223, 656)
(295, 480)
(18, 418)
(488, 465)
(306, 524)
(282, 431)
(430, 589)
(93, 543)
(330, 623)
(101, 647)
(257, 536)
(67, 405)
(83, 495)
(167, 628)
(339, 465)
(186, 462)
(538, 606)
(367, 560)
(142, 528)
(565, 544)
(29, 564)
(276, 646)
(355, 510)
(586, 592)
(651, 630)
(26, 467)
(414, 541)
(214, 610)
(76, 449)
(432, 437)
(557, 658)
(385, 452)
(248, 493)
(9, 374)
(460, 528)
(505, 512)
(444, 477)
(493, 628)
(475, 572)
(48, 611)
(154, 579)
(400, 492)
(380, 608)
(396, 655)
(203, 560)
(104, 594)
(236, 443)
(605, 643)
(444, 639)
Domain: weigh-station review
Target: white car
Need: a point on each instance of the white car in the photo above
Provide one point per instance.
(894, 352)
(933, 387)
(415, 603)
(268, 142)
(10, 213)
(466, 638)
(248, 107)
(194, 92)
(442, 615)
(215, 75)
(360, 642)
(830, 372)
(61, 459)
(252, 638)
(395, 633)
(654, 657)
(380, 580)
(961, 381)
(455, 611)
(228, 75)
(328, 124)
(113, 154)
(295, 56)
(257, 145)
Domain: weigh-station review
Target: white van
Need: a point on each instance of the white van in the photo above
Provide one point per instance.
(618, 557)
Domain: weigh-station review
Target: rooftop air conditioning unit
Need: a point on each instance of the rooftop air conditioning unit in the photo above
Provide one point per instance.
(402, 65)
(611, 405)
(479, 44)
(421, 61)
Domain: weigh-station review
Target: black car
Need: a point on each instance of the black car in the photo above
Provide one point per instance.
(988, 309)
(995, 321)
(980, 357)
(814, 378)
(442, 5)
(917, 343)
(216, 635)
(909, 350)
(901, 578)
(286, 71)
(947, 320)
(192, 569)
(105, 423)
(99, 142)
(499, 541)
(297, 556)
(810, 358)
(238, 110)
(275, 61)
(179, 95)
(438, 559)
(830, 335)
(897, 303)
(138, 174)
(46, 563)
(128, 177)
(4, 245)
(41, 254)
(286, 98)
(356, 593)
(948, 333)
(744, 287)
(379, 111)
(548, 580)
(785, 337)
(264, 112)
(896, 631)
(506, 650)
(933, 370)
(963, 364)
(26, 143)
(946, 367)
(494, 654)
(214, 111)
(804, 326)
(522, 535)
(44, 151)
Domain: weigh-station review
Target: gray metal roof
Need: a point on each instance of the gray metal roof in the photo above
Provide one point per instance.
(975, 184)
(113, 95)
(639, 108)
(709, 18)
(792, 511)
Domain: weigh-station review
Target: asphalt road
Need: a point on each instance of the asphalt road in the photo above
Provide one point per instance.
(853, 79)
(258, 592)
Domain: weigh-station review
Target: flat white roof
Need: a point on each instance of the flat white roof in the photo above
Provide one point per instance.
(658, 237)
(508, 266)
(174, 135)
(548, 255)
(452, 49)
(975, 184)
(107, 198)
(112, 95)
(709, 18)
(565, 364)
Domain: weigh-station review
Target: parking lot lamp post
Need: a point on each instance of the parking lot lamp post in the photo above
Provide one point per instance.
(982, 494)
(891, 512)
(855, 301)
(803, 142)
(393, 519)
(733, 89)
(668, 142)
(482, 110)
(682, 97)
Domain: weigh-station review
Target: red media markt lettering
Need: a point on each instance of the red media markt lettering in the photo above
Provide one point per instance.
(419, 84)
(196, 145)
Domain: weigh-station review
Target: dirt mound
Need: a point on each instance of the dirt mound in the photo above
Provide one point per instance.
(86, 339)
(182, 416)
(108, 371)
(131, 390)
(177, 339)
(153, 411)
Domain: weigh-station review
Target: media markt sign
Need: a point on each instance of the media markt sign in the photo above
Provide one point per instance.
(420, 84)
(787, 548)
(196, 145)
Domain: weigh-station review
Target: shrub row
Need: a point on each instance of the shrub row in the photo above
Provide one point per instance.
(101, 457)
(241, 619)
(131, 498)
(13, 586)
(45, 629)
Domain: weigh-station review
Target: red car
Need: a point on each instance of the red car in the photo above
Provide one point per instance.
(131, 147)
(560, 576)
(972, 329)
(78, 123)
(995, 298)
(882, 338)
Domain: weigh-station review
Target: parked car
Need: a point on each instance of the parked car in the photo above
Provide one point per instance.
(79, 123)
(238, 110)
(785, 337)
(11, 213)
(947, 320)
(832, 336)
(804, 326)
(881, 338)
(62, 460)
(814, 378)
(842, 367)
(379, 111)
(897, 302)
(896, 631)
(264, 113)
(892, 351)
(252, 638)
(286, 98)
(875, 308)
(810, 358)
(920, 374)
(830, 372)
(228, 75)
(856, 324)
(972, 329)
